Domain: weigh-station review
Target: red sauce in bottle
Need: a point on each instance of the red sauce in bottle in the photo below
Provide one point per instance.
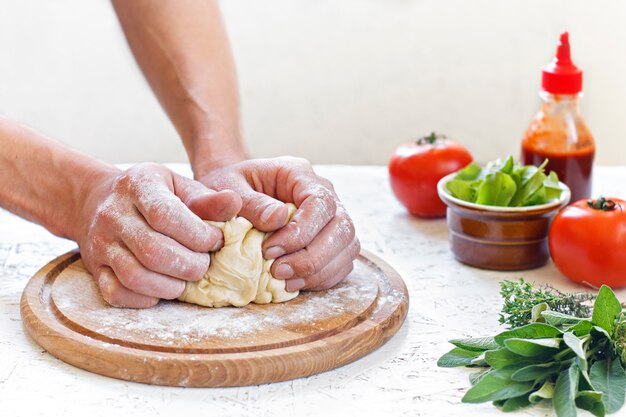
(559, 132)
(574, 169)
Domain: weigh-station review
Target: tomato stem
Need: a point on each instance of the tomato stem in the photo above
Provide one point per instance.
(602, 204)
(430, 139)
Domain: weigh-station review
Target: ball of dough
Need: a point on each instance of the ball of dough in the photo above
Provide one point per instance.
(238, 274)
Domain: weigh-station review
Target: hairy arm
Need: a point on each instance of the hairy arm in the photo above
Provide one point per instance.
(140, 231)
(43, 181)
(183, 50)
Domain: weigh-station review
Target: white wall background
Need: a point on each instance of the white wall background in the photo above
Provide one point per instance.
(337, 81)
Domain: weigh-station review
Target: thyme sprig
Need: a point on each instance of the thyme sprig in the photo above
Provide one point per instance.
(521, 296)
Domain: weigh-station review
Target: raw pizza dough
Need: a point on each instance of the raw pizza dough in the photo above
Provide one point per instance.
(238, 274)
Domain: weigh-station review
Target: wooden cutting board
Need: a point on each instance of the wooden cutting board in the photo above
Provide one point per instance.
(181, 344)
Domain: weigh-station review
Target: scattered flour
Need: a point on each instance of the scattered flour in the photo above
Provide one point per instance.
(173, 323)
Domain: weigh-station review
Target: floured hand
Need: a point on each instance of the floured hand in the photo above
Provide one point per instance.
(142, 233)
(316, 249)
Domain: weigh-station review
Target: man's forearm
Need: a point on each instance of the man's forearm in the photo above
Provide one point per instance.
(43, 181)
(183, 50)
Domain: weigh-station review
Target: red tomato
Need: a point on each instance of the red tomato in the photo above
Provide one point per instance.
(587, 243)
(416, 167)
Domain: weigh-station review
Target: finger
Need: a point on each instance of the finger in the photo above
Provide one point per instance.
(264, 212)
(332, 274)
(134, 276)
(325, 247)
(166, 213)
(162, 254)
(117, 295)
(206, 203)
(316, 207)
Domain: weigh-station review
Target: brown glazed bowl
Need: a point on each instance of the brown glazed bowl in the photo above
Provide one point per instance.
(500, 238)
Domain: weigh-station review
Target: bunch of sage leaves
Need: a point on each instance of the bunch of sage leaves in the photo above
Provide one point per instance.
(574, 362)
(503, 183)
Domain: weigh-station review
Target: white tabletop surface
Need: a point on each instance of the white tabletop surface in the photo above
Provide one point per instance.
(447, 300)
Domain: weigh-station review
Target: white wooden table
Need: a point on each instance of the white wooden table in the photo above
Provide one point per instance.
(447, 300)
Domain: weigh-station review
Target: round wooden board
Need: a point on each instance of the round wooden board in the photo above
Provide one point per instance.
(180, 344)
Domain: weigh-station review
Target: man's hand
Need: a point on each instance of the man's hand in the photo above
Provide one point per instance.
(182, 48)
(142, 234)
(316, 249)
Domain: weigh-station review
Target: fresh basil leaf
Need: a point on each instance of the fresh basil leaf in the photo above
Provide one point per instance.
(529, 331)
(526, 172)
(507, 166)
(609, 377)
(516, 404)
(536, 371)
(591, 401)
(502, 183)
(457, 357)
(497, 385)
(606, 309)
(469, 173)
(552, 187)
(565, 392)
(461, 190)
(544, 393)
(496, 190)
(516, 176)
(478, 344)
(538, 198)
(555, 318)
(529, 187)
(503, 357)
(531, 348)
(552, 180)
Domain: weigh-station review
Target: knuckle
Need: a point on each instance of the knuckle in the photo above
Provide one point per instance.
(295, 238)
(307, 266)
(125, 182)
(295, 161)
(105, 216)
(346, 229)
(325, 198)
(151, 256)
(151, 302)
(109, 292)
(157, 215)
(175, 291)
(97, 244)
(326, 183)
(192, 268)
(112, 297)
(131, 278)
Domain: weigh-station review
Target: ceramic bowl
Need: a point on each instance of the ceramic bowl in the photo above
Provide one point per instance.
(500, 238)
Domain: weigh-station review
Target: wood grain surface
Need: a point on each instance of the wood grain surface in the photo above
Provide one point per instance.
(180, 344)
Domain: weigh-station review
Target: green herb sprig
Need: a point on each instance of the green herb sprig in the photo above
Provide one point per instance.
(576, 362)
(521, 299)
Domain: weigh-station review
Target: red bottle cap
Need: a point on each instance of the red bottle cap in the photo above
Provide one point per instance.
(561, 76)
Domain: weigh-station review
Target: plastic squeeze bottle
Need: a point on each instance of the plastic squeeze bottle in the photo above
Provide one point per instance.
(559, 132)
